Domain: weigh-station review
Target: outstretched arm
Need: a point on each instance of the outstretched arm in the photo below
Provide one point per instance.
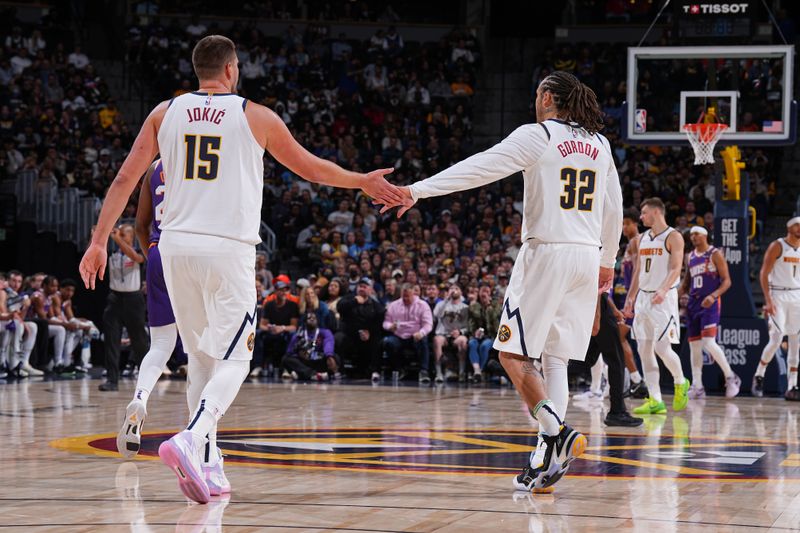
(519, 151)
(270, 131)
(144, 150)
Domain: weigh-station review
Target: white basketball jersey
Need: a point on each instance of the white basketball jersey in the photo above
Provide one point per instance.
(786, 272)
(213, 167)
(565, 191)
(653, 260)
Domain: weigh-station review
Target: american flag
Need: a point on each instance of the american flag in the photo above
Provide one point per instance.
(773, 126)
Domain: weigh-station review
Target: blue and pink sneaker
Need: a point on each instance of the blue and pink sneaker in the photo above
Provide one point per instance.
(217, 483)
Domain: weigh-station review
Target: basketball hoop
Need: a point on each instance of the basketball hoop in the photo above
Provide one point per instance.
(704, 137)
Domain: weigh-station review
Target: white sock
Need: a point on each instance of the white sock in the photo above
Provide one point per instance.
(597, 376)
(636, 377)
(218, 394)
(162, 342)
(200, 368)
(775, 338)
(650, 366)
(718, 354)
(556, 384)
(671, 360)
(546, 415)
(696, 349)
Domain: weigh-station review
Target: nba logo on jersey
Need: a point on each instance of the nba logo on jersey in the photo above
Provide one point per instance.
(208, 100)
(640, 123)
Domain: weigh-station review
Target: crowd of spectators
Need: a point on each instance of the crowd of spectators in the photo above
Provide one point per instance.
(417, 11)
(421, 294)
(56, 114)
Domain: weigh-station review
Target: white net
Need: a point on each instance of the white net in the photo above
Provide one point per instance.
(703, 138)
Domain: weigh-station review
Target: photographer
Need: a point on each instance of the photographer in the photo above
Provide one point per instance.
(310, 353)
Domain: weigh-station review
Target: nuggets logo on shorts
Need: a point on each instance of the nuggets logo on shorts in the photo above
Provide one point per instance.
(251, 341)
(504, 333)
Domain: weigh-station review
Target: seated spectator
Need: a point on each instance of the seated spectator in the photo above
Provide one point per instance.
(310, 303)
(278, 323)
(287, 282)
(484, 319)
(310, 353)
(408, 321)
(452, 317)
(333, 293)
(359, 334)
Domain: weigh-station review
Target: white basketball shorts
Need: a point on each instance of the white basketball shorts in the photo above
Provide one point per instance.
(787, 312)
(550, 301)
(654, 322)
(211, 284)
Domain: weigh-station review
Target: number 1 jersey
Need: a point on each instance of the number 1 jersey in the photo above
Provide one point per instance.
(213, 167)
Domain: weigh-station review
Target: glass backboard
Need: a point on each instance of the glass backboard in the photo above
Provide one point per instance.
(750, 89)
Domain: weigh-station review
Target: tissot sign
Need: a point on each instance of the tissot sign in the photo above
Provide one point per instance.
(716, 8)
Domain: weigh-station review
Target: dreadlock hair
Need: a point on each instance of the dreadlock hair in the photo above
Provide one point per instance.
(575, 100)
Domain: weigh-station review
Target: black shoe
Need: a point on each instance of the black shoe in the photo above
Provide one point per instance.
(424, 378)
(477, 378)
(793, 395)
(639, 390)
(622, 419)
(757, 389)
(108, 386)
(67, 371)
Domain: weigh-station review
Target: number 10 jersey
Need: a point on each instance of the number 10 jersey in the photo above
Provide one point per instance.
(213, 166)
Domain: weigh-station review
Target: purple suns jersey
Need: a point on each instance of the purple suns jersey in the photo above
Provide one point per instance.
(627, 267)
(157, 189)
(705, 278)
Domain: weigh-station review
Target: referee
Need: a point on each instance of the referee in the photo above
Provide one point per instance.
(125, 305)
(605, 340)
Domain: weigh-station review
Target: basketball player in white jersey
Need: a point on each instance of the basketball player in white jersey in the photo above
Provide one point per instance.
(212, 145)
(780, 281)
(654, 297)
(573, 206)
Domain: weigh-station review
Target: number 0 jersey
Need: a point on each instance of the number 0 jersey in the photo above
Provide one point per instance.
(572, 192)
(214, 168)
(786, 272)
(653, 260)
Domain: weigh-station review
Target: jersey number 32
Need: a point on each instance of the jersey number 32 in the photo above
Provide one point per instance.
(578, 188)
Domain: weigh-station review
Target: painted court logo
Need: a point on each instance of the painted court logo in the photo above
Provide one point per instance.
(484, 452)
(504, 333)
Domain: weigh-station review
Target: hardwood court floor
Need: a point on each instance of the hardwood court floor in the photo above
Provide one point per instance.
(353, 457)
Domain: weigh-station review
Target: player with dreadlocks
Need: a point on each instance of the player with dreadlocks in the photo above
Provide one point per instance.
(572, 223)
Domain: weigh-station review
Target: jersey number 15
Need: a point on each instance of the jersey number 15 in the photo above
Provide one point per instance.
(578, 188)
(202, 156)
